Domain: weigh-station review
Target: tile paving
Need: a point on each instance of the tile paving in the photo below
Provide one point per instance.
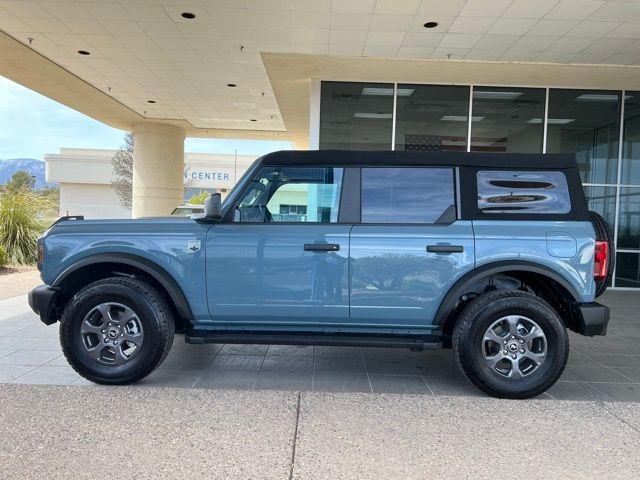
(599, 368)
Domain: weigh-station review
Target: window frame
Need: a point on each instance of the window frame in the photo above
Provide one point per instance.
(230, 213)
(455, 179)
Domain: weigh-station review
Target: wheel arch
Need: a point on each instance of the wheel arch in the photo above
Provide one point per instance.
(95, 267)
(547, 283)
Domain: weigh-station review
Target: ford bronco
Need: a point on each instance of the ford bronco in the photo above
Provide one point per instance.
(493, 255)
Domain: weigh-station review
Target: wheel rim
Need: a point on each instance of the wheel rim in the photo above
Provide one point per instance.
(514, 346)
(111, 333)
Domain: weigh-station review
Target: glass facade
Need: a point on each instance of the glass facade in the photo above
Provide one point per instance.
(588, 123)
(431, 117)
(507, 120)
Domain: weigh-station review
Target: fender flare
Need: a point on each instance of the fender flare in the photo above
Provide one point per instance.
(461, 287)
(150, 268)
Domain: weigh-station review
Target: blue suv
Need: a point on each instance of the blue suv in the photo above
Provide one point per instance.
(493, 255)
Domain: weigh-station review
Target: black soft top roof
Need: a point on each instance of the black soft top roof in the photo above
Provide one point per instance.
(402, 158)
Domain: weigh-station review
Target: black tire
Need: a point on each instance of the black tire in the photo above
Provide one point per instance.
(604, 233)
(152, 313)
(468, 345)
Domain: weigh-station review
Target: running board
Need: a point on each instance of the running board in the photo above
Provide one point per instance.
(424, 342)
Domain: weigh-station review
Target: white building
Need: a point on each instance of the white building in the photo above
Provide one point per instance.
(85, 177)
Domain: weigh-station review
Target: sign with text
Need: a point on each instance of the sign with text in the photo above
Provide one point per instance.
(202, 177)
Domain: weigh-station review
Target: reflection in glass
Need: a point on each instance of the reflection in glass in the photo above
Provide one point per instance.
(405, 195)
(356, 116)
(603, 201)
(291, 194)
(523, 192)
(503, 120)
(629, 221)
(587, 123)
(432, 117)
(631, 140)
(627, 270)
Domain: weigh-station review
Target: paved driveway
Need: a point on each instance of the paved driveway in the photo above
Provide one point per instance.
(600, 368)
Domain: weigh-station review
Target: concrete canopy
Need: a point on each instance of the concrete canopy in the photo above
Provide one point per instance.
(141, 52)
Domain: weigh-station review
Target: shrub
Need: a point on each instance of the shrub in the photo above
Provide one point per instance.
(4, 258)
(22, 215)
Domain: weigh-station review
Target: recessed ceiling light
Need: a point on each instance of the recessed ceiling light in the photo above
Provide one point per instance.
(151, 101)
(552, 121)
(231, 85)
(431, 25)
(387, 91)
(496, 95)
(599, 97)
(83, 52)
(188, 15)
(459, 118)
(376, 116)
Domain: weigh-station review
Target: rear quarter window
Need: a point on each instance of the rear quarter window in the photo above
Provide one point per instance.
(514, 192)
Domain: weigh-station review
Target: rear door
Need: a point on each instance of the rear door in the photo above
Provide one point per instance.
(409, 248)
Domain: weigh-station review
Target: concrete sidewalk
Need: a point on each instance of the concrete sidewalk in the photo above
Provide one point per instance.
(61, 432)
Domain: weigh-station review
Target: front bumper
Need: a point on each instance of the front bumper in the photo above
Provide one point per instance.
(42, 301)
(592, 319)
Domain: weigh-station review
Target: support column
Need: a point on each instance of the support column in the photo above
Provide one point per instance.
(158, 169)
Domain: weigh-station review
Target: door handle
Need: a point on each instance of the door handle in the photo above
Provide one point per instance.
(444, 248)
(321, 247)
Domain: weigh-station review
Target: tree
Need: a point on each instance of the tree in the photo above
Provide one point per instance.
(21, 180)
(122, 163)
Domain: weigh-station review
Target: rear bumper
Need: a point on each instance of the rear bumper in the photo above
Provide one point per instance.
(42, 301)
(592, 319)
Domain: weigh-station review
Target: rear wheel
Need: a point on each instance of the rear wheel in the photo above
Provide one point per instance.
(604, 234)
(510, 344)
(116, 330)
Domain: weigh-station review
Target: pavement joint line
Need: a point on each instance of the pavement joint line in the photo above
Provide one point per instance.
(427, 384)
(609, 368)
(366, 372)
(614, 415)
(590, 385)
(295, 438)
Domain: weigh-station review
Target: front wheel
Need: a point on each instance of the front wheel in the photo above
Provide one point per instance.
(510, 344)
(116, 330)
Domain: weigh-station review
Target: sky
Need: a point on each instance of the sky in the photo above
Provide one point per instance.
(32, 125)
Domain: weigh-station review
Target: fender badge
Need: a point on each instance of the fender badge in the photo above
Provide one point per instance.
(193, 245)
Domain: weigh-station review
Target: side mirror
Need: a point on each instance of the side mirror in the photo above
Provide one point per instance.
(212, 207)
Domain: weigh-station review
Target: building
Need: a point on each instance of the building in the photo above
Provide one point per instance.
(477, 75)
(85, 177)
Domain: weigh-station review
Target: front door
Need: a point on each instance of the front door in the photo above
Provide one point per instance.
(282, 261)
(409, 248)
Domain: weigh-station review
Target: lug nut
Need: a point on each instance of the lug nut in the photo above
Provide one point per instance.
(521, 341)
(122, 335)
(513, 356)
(110, 325)
(103, 331)
(512, 336)
(116, 342)
(504, 352)
(521, 350)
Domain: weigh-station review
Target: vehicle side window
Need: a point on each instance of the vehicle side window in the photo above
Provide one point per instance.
(522, 192)
(291, 194)
(406, 194)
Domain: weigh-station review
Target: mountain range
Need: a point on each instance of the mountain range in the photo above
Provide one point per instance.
(33, 166)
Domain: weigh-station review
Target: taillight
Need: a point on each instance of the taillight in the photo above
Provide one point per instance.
(600, 260)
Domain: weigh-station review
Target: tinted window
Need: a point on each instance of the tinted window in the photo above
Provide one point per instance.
(291, 194)
(406, 195)
(523, 192)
